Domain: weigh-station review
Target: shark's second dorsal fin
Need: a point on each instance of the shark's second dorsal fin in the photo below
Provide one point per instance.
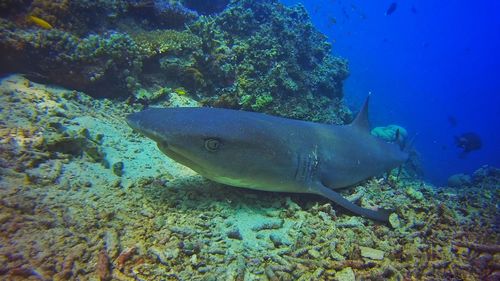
(361, 120)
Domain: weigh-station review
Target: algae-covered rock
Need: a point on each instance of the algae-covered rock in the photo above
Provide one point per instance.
(487, 175)
(415, 194)
(268, 224)
(351, 222)
(234, 234)
(117, 168)
(278, 239)
(346, 274)
(394, 221)
(167, 42)
(459, 180)
(314, 253)
(371, 253)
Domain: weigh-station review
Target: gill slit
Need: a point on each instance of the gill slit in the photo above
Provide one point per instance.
(307, 167)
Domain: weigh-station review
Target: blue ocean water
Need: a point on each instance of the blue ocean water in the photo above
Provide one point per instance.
(426, 63)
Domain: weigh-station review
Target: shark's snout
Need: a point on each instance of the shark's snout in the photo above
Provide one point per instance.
(140, 122)
(133, 121)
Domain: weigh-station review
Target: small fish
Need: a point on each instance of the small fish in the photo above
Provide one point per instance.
(414, 10)
(180, 91)
(392, 8)
(316, 9)
(40, 22)
(345, 13)
(452, 120)
(331, 21)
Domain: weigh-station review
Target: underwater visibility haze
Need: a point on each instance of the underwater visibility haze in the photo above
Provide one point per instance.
(232, 140)
(426, 62)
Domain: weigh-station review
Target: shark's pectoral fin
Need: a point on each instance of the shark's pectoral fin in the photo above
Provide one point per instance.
(380, 215)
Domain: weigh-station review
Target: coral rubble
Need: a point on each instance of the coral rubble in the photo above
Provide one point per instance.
(82, 197)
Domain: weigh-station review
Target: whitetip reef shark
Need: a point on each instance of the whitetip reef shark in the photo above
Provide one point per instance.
(264, 152)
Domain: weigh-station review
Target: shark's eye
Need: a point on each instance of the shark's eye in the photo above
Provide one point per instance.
(212, 144)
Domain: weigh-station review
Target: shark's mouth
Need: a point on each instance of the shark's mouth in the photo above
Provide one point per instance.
(176, 155)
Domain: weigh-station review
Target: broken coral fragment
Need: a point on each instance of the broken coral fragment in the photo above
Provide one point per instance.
(371, 253)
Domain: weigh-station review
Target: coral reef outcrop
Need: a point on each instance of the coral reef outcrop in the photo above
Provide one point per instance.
(251, 55)
(106, 65)
(270, 58)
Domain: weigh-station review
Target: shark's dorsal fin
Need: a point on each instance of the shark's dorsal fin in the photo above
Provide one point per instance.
(361, 120)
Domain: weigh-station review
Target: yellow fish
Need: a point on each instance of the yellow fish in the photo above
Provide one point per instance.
(180, 91)
(40, 22)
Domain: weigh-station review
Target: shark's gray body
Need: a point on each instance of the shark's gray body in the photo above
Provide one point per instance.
(264, 152)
